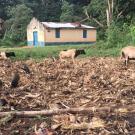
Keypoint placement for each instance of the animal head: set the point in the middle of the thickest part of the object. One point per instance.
(80, 51)
(9, 54)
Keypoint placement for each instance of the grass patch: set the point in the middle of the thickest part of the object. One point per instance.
(47, 51)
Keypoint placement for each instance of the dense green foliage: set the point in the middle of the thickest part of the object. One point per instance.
(114, 19)
(18, 20)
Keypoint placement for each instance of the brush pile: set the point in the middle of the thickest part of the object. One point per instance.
(90, 83)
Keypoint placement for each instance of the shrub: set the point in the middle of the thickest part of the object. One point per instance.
(6, 43)
(132, 32)
(118, 36)
(113, 36)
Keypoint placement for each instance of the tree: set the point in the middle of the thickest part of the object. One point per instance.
(67, 12)
(101, 14)
(109, 11)
(45, 10)
(104, 13)
(79, 2)
(20, 16)
(71, 12)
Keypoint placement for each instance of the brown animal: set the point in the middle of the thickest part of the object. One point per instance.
(15, 80)
(72, 53)
(128, 53)
(3, 55)
(6, 55)
(26, 68)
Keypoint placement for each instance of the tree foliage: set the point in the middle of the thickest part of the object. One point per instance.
(20, 15)
(45, 10)
(67, 12)
(108, 16)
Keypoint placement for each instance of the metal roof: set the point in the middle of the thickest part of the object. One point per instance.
(66, 25)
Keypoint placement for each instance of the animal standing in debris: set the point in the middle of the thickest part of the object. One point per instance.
(3, 102)
(128, 53)
(26, 69)
(15, 80)
(1, 83)
(6, 55)
(72, 53)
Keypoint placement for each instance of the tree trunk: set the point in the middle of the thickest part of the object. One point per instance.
(109, 11)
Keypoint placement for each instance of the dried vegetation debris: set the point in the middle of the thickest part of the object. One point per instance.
(92, 82)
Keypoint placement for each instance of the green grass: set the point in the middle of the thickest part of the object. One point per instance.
(47, 51)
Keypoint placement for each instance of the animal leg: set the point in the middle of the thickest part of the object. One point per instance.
(73, 59)
(126, 61)
(122, 55)
(62, 60)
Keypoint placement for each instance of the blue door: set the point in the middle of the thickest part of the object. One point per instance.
(35, 38)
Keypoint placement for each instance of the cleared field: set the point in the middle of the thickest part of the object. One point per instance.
(92, 83)
(48, 51)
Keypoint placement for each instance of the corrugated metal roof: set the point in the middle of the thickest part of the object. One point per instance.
(66, 25)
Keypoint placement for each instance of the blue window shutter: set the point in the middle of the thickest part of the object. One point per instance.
(84, 33)
(57, 33)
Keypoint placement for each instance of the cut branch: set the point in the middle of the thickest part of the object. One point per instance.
(125, 109)
(90, 17)
(84, 19)
(122, 11)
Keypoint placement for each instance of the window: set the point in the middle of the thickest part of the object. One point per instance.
(57, 33)
(84, 33)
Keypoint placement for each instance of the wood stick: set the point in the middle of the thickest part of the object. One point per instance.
(117, 109)
(77, 126)
(47, 112)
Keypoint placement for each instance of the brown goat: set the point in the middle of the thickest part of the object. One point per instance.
(72, 53)
(128, 53)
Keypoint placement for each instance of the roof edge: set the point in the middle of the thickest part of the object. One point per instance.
(74, 25)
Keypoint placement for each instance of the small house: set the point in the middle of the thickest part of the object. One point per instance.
(51, 33)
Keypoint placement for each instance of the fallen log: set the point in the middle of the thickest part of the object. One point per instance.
(47, 112)
(116, 109)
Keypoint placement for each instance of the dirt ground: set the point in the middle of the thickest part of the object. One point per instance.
(92, 82)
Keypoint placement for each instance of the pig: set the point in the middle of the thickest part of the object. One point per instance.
(128, 53)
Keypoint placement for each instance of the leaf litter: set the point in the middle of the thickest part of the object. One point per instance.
(91, 82)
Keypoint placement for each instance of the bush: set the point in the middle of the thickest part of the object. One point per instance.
(132, 32)
(101, 44)
(113, 36)
(10, 43)
(6, 43)
(20, 44)
(118, 36)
